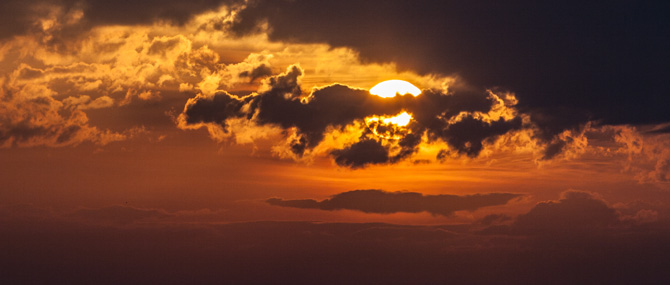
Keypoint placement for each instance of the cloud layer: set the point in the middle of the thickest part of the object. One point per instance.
(41, 247)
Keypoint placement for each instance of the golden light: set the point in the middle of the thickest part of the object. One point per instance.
(389, 127)
(399, 120)
(390, 88)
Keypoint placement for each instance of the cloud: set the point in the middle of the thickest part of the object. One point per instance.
(378, 201)
(257, 72)
(69, 16)
(647, 154)
(47, 95)
(361, 153)
(563, 61)
(84, 102)
(461, 118)
(575, 212)
(31, 117)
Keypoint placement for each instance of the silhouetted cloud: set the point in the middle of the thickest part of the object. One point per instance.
(468, 134)
(458, 117)
(258, 72)
(361, 153)
(378, 201)
(575, 211)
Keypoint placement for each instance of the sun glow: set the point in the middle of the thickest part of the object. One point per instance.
(389, 127)
(390, 88)
(399, 120)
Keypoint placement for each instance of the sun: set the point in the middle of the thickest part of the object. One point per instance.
(390, 88)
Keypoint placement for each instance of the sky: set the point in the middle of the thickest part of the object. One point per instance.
(239, 141)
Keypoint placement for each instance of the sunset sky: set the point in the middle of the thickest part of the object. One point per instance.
(239, 141)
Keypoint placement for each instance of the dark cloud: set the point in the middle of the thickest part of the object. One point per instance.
(567, 61)
(257, 72)
(19, 17)
(576, 211)
(359, 154)
(553, 149)
(216, 109)
(468, 134)
(378, 201)
(145, 12)
(371, 151)
(435, 113)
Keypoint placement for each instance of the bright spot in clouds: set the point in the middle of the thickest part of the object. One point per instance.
(389, 127)
(390, 88)
(399, 120)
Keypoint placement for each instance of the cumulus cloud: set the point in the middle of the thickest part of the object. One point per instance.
(648, 154)
(463, 119)
(46, 93)
(257, 72)
(32, 117)
(378, 201)
(359, 154)
(125, 64)
(579, 214)
(575, 212)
